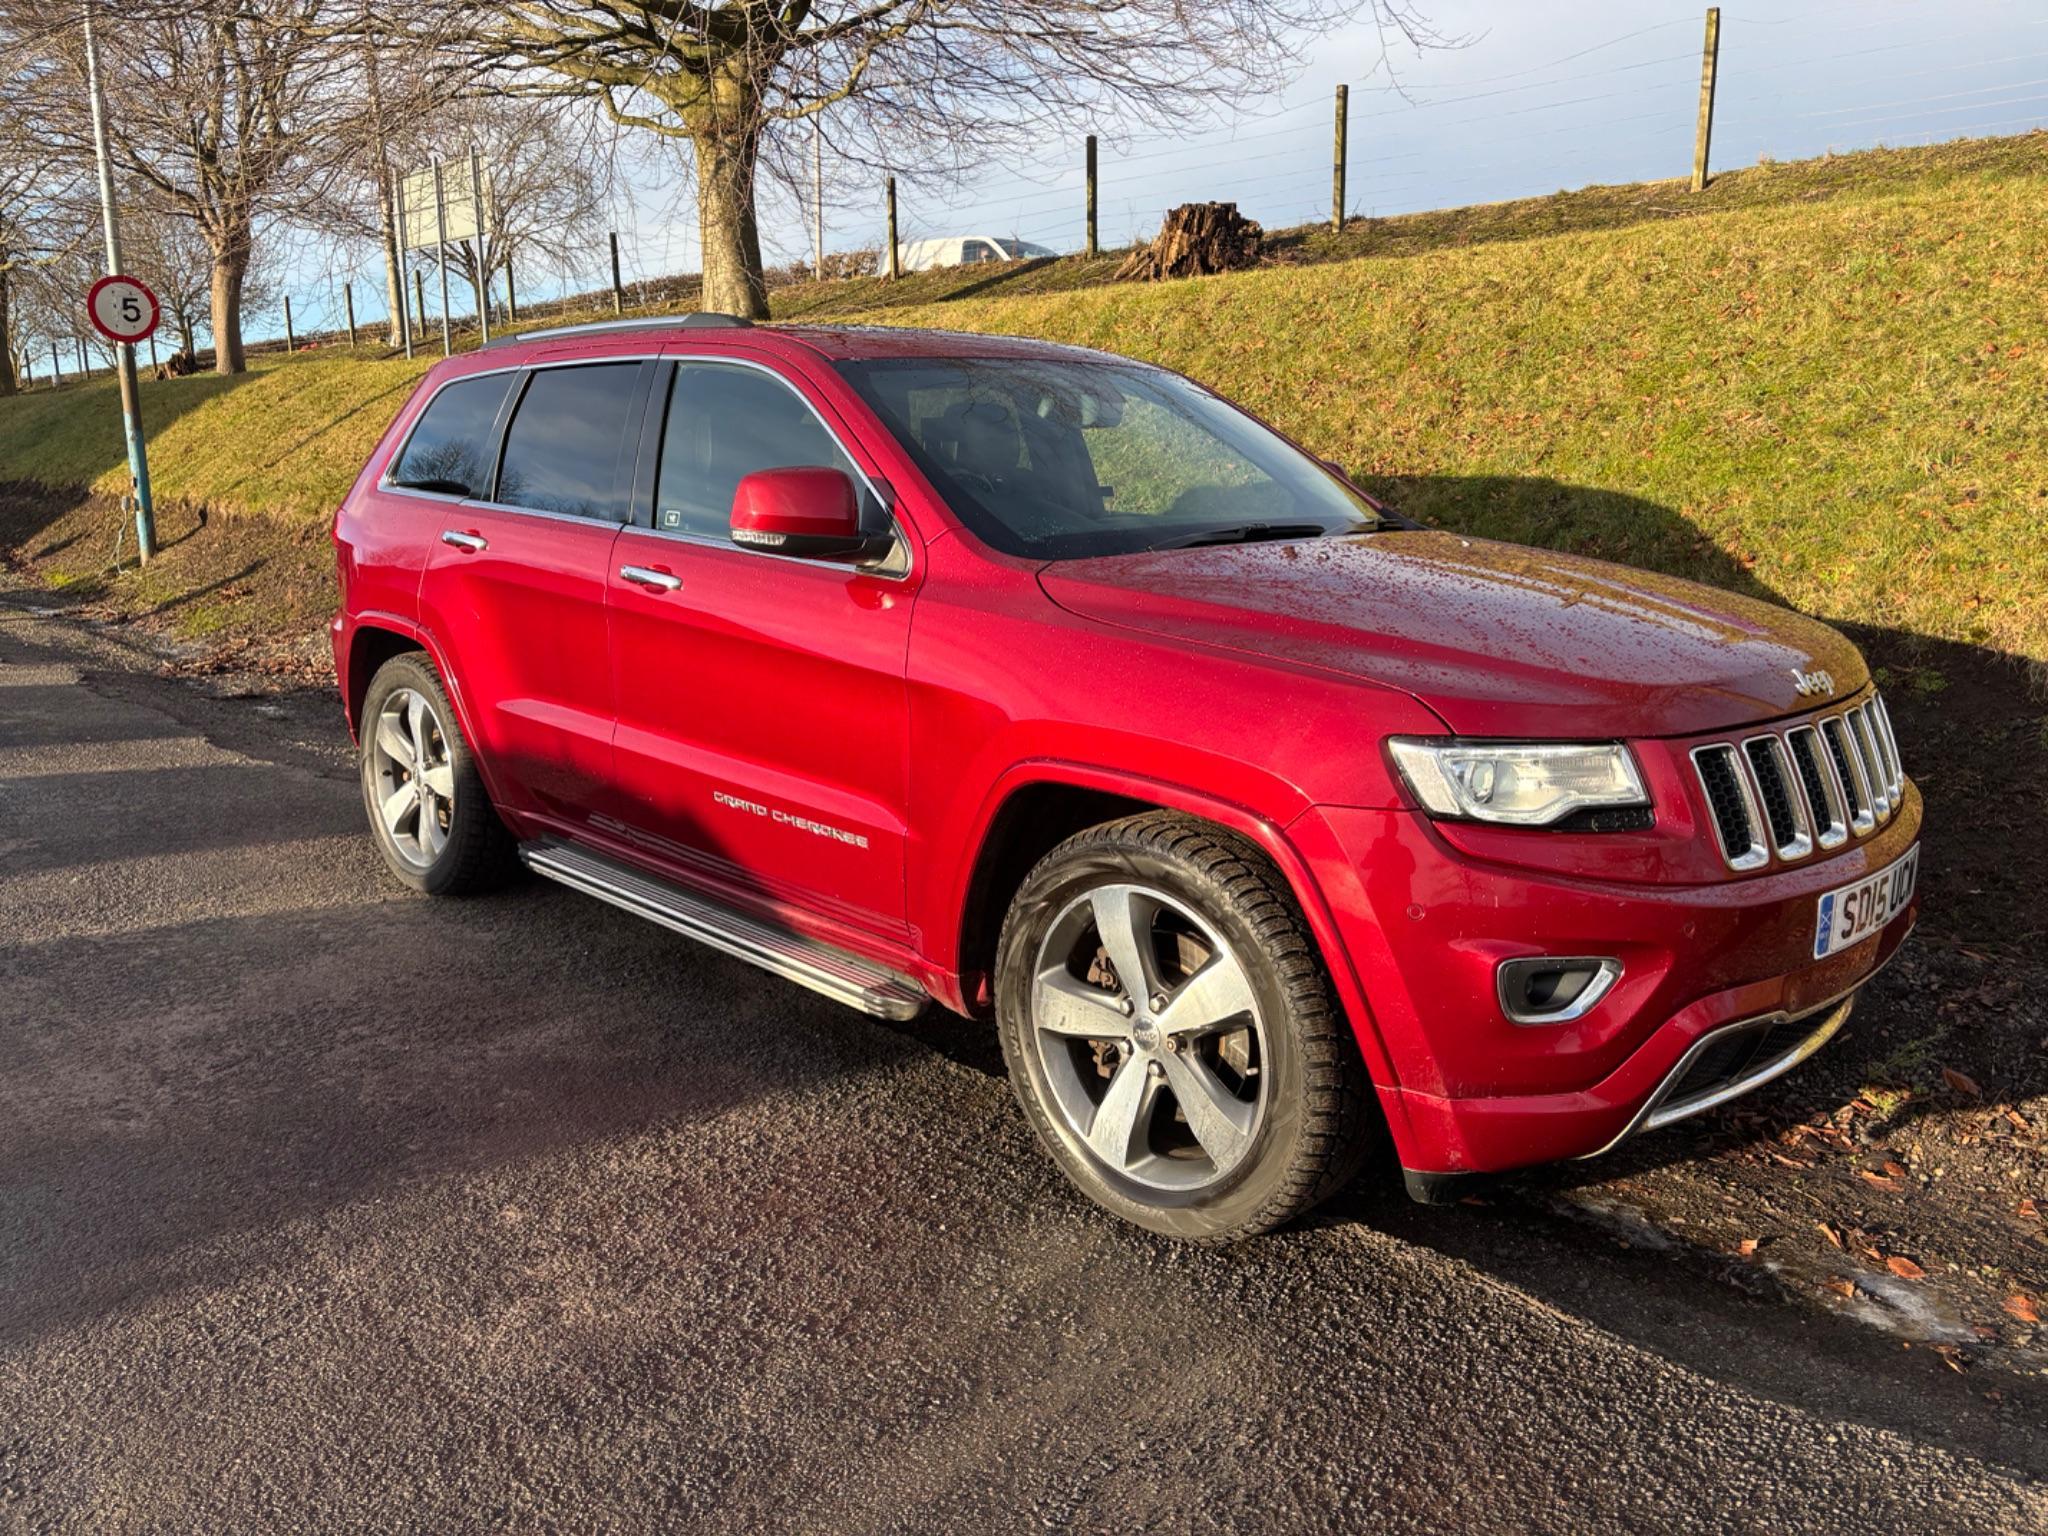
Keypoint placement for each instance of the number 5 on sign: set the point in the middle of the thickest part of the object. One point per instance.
(123, 309)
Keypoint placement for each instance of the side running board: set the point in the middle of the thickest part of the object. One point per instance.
(844, 977)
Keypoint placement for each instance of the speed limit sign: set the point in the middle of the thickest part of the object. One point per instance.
(123, 309)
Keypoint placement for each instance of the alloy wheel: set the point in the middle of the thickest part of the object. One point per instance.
(412, 777)
(1150, 1038)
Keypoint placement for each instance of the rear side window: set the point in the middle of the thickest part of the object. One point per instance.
(724, 423)
(450, 449)
(562, 449)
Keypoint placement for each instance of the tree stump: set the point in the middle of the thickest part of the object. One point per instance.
(179, 366)
(1196, 239)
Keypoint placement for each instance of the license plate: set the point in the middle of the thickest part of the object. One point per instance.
(1853, 913)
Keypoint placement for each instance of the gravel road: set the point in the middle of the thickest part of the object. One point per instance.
(325, 1207)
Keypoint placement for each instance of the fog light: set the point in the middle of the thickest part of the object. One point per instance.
(1555, 989)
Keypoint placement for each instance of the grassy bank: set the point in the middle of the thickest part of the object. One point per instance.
(1822, 382)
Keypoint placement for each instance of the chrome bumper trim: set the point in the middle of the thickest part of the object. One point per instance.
(1656, 1113)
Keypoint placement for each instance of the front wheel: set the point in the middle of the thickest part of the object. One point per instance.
(1170, 1033)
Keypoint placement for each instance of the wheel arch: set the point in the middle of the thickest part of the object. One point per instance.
(1034, 808)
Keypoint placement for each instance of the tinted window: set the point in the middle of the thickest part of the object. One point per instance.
(562, 450)
(1059, 459)
(723, 423)
(450, 449)
(976, 250)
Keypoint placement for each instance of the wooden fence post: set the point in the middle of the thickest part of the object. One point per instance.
(618, 292)
(289, 344)
(348, 310)
(419, 299)
(511, 294)
(895, 257)
(1710, 56)
(1093, 249)
(1337, 160)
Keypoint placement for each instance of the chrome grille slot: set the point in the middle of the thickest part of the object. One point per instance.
(1895, 771)
(1874, 773)
(1848, 774)
(1781, 794)
(1783, 807)
(1816, 777)
(1733, 803)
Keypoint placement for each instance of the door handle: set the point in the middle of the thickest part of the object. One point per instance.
(468, 543)
(653, 580)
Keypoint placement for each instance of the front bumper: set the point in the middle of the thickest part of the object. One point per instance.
(1706, 967)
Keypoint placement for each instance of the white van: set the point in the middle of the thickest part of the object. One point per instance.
(966, 250)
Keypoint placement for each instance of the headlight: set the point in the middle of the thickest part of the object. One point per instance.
(1523, 785)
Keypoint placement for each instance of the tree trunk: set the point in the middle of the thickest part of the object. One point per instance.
(727, 230)
(9, 382)
(394, 278)
(230, 266)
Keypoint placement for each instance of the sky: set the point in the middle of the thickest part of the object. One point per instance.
(1545, 94)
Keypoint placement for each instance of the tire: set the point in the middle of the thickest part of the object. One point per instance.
(447, 841)
(1238, 1001)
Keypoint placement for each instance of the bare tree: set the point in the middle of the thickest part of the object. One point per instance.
(42, 220)
(908, 83)
(226, 110)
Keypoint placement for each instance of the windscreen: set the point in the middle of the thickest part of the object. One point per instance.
(1057, 460)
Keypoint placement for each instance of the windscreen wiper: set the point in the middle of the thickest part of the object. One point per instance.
(1242, 533)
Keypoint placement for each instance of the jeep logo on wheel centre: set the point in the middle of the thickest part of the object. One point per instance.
(1807, 684)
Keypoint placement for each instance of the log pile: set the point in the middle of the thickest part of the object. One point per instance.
(180, 364)
(1196, 239)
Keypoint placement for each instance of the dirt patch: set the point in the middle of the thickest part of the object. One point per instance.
(243, 593)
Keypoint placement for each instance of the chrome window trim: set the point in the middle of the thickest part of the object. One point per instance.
(1608, 972)
(1836, 832)
(1862, 822)
(1758, 853)
(1802, 840)
(384, 476)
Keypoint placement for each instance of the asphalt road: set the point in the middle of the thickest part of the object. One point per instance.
(324, 1207)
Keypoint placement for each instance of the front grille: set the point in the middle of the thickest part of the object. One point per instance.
(1781, 794)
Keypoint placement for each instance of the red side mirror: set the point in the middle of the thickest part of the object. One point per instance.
(811, 512)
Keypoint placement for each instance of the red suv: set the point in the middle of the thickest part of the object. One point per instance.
(1052, 686)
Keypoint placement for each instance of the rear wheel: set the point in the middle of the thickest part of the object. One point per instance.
(428, 808)
(1170, 1033)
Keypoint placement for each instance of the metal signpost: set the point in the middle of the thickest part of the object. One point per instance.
(437, 210)
(123, 309)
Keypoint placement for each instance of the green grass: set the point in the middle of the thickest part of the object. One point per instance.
(1821, 381)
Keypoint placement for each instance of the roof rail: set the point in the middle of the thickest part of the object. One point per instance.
(697, 320)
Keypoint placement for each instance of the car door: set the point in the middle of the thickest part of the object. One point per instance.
(761, 743)
(516, 584)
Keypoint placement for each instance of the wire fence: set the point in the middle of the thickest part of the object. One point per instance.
(1597, 112)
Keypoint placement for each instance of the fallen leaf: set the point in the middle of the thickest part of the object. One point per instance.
(2030, 1210)
(1877, 1178)
(1961, 1083)
(1896, 1170)
(2018, 1119)
(1746, 1247)
(1829, 1233)
(1843, 1288)
(1905, 1268)
(1950, 1357)
(2022, 1307)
